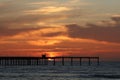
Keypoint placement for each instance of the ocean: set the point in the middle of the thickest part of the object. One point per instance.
(105, 71)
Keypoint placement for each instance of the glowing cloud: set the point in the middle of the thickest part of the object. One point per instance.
(43, 42)
(48, 10)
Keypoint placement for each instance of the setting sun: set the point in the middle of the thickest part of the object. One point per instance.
(50, 59)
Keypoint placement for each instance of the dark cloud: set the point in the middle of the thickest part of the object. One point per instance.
(10, 32)
(116, 18)
(98, 32)
(53, 34)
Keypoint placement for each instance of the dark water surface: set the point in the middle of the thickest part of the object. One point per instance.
(106, 71)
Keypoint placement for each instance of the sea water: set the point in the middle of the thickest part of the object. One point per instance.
(105, 71)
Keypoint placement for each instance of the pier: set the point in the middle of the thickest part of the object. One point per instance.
(89, 59)
(37, 61)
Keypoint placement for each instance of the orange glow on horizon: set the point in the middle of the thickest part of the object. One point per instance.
(52, 54)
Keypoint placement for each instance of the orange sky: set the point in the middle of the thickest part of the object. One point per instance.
(60, 28)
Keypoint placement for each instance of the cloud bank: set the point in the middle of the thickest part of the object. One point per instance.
(107, 31)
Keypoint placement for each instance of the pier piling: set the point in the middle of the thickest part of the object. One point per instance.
(54, 62)
(71, 61)
(89, 61)
(63, 61)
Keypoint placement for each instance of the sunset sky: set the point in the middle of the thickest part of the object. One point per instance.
(60, 28)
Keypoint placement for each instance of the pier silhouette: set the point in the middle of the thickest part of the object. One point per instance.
(43, 60)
